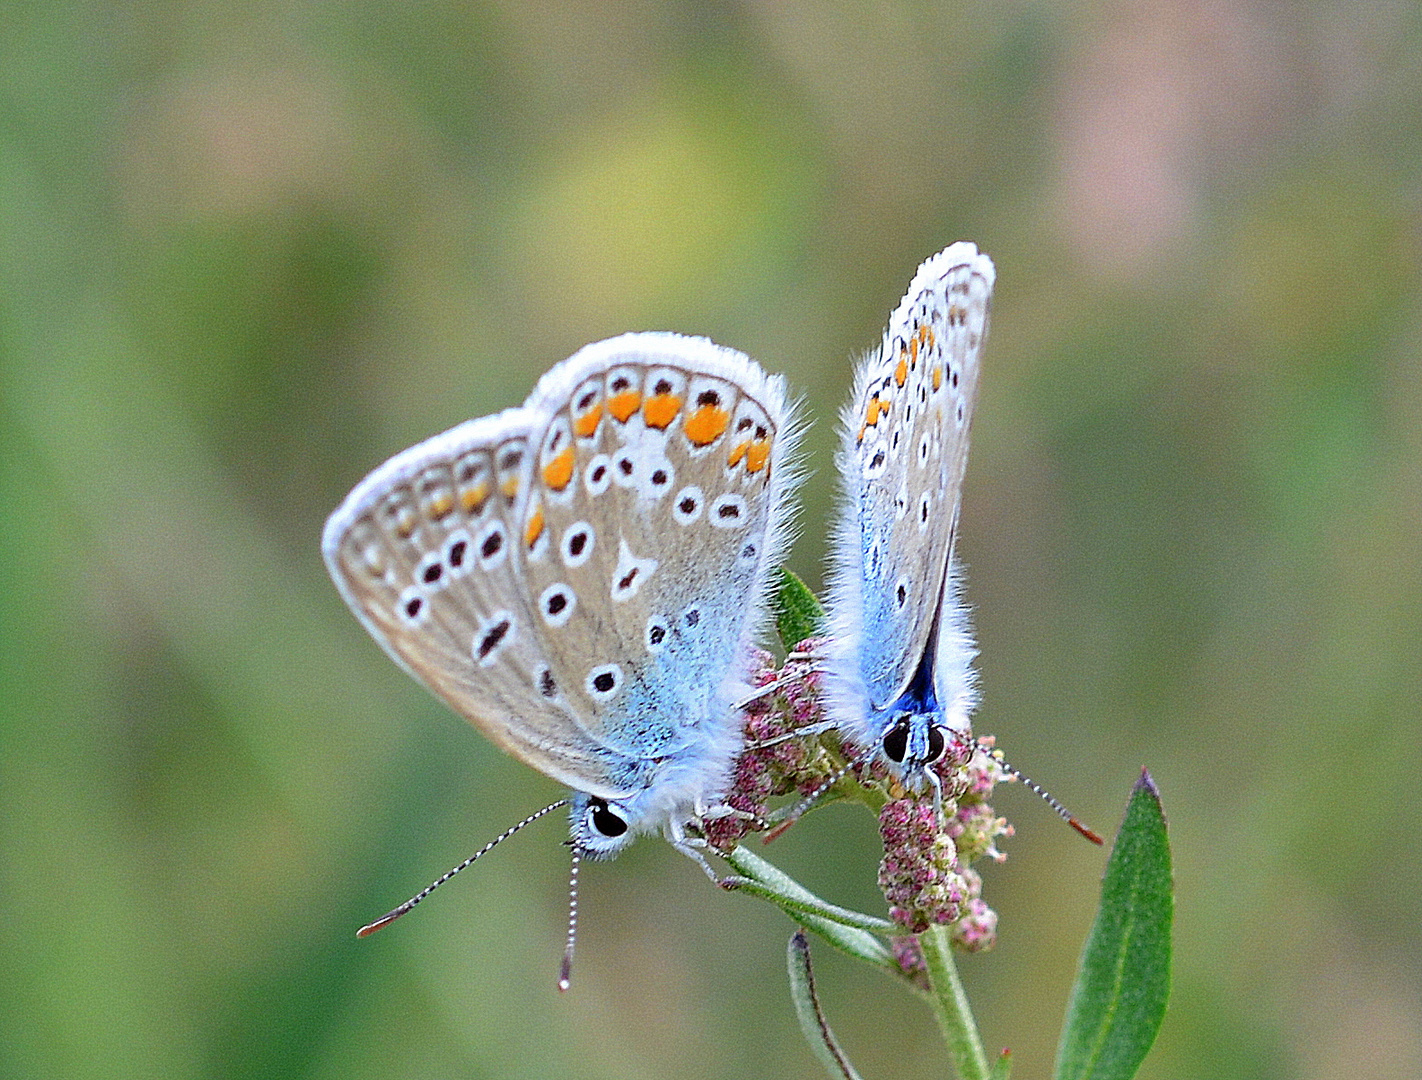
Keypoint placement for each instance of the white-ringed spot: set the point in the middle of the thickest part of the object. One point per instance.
(578, 542)
(493, 635)
(687, 504)
(604, 682)
(557, 603)
(413, 607)
(431, 571)
(597, 477)
(457, 554)
(630, 573)
(728, 511)
(901, 592)
(491, 545)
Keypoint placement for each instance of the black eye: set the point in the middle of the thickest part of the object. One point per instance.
(605, 820)
(896, 742)
(937, 743)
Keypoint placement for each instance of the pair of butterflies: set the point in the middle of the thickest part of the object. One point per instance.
(582, 577)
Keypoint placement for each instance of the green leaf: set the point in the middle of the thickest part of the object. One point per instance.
(812, 1018)
(798, 612)
(814, 914)
(1119, 999)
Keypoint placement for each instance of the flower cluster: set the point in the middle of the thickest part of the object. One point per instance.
(929, 844)
(925, 874)
(777, 761)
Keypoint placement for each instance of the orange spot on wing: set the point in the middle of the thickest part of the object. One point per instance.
(707, 424)
(559, 471)
(475, 497)
(661, 410)
(534, 529)
(441, 505)
(758, 456)
(937, 376)
(623, 405)
(585, 425)
(509, 487)
(901, 372)
(737, 453)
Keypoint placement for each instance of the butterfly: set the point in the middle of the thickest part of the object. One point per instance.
(900, 678)
(581, 577)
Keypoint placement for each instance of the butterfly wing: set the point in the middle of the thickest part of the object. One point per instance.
(513, 566)
(903, 454)
(656, 515)
(423, 551)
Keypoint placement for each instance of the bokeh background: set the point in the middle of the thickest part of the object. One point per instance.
(247, 251)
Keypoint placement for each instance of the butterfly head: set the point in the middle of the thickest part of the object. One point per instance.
(912, 743)
(600, 827)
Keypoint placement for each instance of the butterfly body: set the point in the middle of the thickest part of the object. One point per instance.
(581, 577)
(901, 682)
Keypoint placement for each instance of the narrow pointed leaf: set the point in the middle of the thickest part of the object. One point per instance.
(809, 911)
(807, 1008)
(1119, 999)
(798, 613)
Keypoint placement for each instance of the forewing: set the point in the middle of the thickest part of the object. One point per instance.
(654, 516)
(902, 459)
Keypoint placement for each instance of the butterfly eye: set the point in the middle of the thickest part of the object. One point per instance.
(604, 820)
(937, 743)
(896, 742)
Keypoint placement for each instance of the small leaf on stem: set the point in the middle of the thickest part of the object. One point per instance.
(807, 1007)
(798, 613)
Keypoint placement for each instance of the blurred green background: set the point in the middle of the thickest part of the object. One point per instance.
(250, 250)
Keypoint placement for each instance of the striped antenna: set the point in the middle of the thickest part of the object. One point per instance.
(798, 810)
(565, 971)
(1062, 812)
(390, 916)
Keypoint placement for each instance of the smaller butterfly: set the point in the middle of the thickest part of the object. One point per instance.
(581, 577)
(900, 676)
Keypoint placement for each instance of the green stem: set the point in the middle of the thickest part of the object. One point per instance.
(950, 1005)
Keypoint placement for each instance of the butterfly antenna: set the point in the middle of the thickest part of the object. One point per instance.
(565, 972)
(390, 916)
(1062, 812)
(774, 684)
(808, 801)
